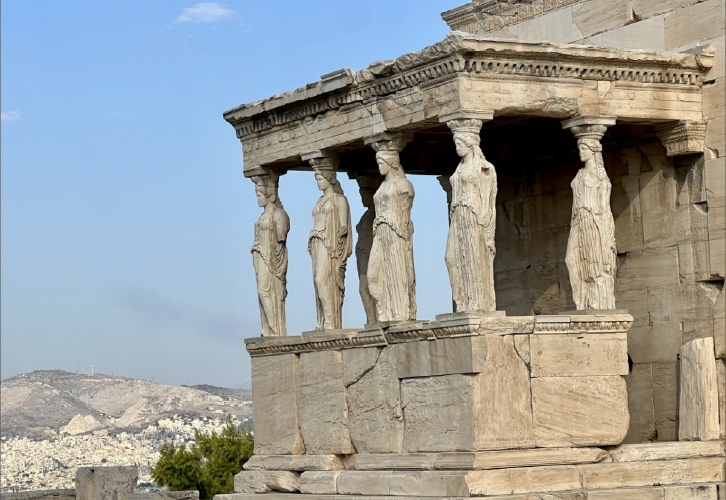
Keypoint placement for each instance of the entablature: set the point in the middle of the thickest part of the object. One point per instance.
(467, 71)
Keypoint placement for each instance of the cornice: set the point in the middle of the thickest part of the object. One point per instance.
(464, 54)
(432, 330)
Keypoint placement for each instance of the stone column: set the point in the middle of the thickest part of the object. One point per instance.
(367, 186)
(391, 275)
(591, 252)
(269, 255)
(330, 242)
(470, 248)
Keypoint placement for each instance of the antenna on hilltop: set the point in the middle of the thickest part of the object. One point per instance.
(91, 369)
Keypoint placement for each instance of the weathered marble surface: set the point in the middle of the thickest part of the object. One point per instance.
(269, 256)
(591, 251)
(391, 275)
(443, 357)
(322, 405)
(579, 411)
(266, 481)
(330, 244)
(274, 398)
(294, 462)
(440, 413)
(699, 414)
(579, 355)
(504, 411)
(367, 185)
(375, 417)
(105, 483)
(470, 247)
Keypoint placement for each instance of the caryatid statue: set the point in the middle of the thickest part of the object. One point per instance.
(391, 275)
(330, 244)
(470, 247)
(269, 256)
(367, 186)
(591, 252)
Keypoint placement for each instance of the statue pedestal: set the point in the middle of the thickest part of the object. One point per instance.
(455, 407)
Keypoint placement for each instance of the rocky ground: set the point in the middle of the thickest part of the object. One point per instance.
(53, 422)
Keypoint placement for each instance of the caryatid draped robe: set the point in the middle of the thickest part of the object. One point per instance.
(470, 246)
(330, 244)
(591, 256)
(391, 275)
(269, 256)
(363, 246)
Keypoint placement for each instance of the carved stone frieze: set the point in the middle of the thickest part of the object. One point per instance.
(425, 331)
(682, 137)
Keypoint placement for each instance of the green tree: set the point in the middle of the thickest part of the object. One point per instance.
(209, 465)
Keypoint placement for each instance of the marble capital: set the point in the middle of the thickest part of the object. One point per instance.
(682, 137)
(389, 141)
(588, 121)
(484, 115)
(321, 159)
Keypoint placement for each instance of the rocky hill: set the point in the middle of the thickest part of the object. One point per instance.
(42, 404)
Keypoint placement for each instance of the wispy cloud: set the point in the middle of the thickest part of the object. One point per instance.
(205, 12)
(10, 116)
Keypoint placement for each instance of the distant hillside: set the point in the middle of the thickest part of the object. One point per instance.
(224, 392)
(42, 403)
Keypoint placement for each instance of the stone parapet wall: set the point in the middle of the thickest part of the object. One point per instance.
(460, 385)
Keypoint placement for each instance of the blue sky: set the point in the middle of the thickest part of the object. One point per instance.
(126, 221)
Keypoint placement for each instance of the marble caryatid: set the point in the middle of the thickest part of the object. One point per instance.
(591, 252)
(470, 247)
(269, 256)
(391, 275)
(330, 244)
(367, 185)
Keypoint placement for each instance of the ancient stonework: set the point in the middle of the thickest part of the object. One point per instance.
(367, 186)
(330, 244)
(591, 251)
(391, 275)
(269, 256)
(699, 393)
(607, 274)
(470, 248)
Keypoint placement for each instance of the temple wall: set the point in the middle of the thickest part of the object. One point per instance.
(660, 213)
(669, 212)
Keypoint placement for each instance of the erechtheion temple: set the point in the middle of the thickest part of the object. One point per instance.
(580, 149)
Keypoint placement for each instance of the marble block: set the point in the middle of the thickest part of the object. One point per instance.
(579, 411)
(321, 403)
(461, 412)
(274, 400)
(573, 355)
(699, 394)
(375, 417)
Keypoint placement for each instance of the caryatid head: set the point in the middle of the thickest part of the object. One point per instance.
(266, 186)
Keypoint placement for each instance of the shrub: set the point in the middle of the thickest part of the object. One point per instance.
(209, 465)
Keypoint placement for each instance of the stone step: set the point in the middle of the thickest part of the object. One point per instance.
(492, 482)
(703, 491)
(475, 460)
